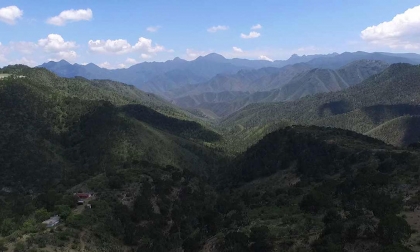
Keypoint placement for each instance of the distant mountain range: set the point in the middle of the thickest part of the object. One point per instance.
(225, 94)
(161, 77)
(216, 87)
(385, 106)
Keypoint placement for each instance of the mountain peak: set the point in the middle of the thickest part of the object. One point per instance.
(294, 56)
(213, 57)
(63, 62)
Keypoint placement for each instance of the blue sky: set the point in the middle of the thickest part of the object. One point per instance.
(121, 33)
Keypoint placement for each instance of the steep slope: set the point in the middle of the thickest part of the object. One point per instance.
(322, 189)
(290, 83)
(61, 130)
(298, 189)
(400, 131)
(380, 98)
(327, 80)
(244, 81)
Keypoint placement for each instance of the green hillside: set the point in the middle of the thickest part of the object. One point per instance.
(400, 131)
(62, 130)
(162, 183)
(383, 97)
(334, 189)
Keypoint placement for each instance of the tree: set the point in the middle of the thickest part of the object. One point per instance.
(393, 230)
(315, 202)
(63, 211)
(7, 227)
(41, 215)
(235, 242)
(3, 247)
(260, 239)
(20, 247)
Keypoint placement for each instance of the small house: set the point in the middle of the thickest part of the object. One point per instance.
(51, 222)
(83, 195)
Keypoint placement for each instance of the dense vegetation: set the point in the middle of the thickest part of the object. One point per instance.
(163, 183)
(377, 100)
(225, 94)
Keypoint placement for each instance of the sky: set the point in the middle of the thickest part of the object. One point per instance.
(118, 34)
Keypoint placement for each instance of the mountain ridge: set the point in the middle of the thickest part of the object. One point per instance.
(287, 84)
(209, 66)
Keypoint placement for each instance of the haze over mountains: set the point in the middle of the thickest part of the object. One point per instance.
(217, 86)
(254, 180)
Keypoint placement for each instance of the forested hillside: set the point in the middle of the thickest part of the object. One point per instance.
(380, 98)
(62, 130)
(164, 182)
(285, 84)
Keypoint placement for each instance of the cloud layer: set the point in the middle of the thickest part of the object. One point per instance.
(218, 28)
(122, 46)
(237, 49)
(57, 47)
(403, 31)
(263, 57)
(153, 28)
(71, 16)
(10, 14)
(256, 27)
(251, 35)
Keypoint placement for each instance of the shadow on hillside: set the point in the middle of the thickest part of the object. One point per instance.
(334, 108)
(412, 132)
(183, 128)
(381, 113)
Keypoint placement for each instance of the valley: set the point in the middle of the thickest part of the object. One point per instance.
(290, 158)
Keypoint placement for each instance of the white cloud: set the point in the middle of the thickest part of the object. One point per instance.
(251, 35)
(237, 49)
(121, 65)
(403, 31)
(118, 46)
(145, 44)
(58, 48)
(263, 57)
(24, 61)
(106, 65)
(67, 55)
(170, 50)
(71, 16)
(121, 46)
(2, 53)
(256, 27)
(23, 47)
(218, 28)
(145, 56)
(10, 14)
(55, 43)
(3, 49)
(153, 28)
(131, 61)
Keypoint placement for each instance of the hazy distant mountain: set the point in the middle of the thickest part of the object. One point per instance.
(145, 75)
(288, 84)
(340, 60)
(369, 107)
(244, 81)
(161, 77)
